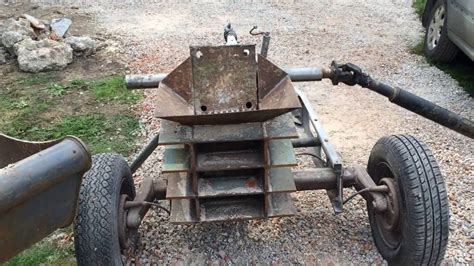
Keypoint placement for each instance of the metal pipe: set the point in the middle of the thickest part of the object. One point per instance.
(144, 81)
(305, 73)
(39, 194)
(424, 108)
(145, 153)
(297, 74)
(305, 142)
(321, 178)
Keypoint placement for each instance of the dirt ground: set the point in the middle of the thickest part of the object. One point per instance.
(155, 36)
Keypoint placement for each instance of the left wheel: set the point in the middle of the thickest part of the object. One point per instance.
(101, 236)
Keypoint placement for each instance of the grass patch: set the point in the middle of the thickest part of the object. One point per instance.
(36, 79)
(418, 48)
(461, 69)
(113, 88)
(35, 113)
(419, 6)
(41, 108)
(56, 89)
(45, 252)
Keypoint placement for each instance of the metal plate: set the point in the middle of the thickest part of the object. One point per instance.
(183, 211)
(230, 185)
(176, 159)
(232, 208)
(281, 180)
(280, 204)
(234, 160)
(281, 153)
(224, 79)
(179, 185)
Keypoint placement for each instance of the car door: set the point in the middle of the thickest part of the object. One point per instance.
(461, 25)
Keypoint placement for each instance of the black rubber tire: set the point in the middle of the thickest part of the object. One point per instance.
(445, 51)
(424, 212)
(96, 225)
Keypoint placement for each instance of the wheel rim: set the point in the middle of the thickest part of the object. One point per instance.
(122, 222)
(388, 222)
(435, 28)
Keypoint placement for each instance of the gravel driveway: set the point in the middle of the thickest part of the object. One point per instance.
(373, 34)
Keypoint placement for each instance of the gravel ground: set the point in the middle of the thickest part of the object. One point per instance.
(155, 37)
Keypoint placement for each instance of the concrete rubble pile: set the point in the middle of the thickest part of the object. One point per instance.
(41, 45)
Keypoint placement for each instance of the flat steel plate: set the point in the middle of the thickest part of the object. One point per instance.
(224, 79)
(183, 211)
(280, 204)
(232, 208)
(230, 186)
(179, 185)
(281, 180)
(176, 159)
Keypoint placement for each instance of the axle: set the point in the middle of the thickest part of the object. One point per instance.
(351, 75)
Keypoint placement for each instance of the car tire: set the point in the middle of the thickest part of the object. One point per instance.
(437, 46)
(100, 216)
(414, 230)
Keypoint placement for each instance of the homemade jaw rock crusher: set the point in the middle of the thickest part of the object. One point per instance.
(228, 152)
(230, 122)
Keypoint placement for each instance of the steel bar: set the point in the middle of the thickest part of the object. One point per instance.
(144, 81)
(145, 153)
(334, 161)
(297, 74)
(321, 178)
(149, 191)
(424, 108)
(305, 142)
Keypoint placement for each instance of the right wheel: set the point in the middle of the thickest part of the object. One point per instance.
(438, 46)
(414, 229)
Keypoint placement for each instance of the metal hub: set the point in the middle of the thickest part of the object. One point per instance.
(435, 27)
(392, 214)
(389, 221)
(122, 222)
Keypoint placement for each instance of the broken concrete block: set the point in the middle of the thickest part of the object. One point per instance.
(44, 55)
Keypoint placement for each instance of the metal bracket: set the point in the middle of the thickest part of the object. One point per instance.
(333, 159)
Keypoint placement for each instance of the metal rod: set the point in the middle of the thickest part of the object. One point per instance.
(305, 142)
(424, 108)
(297, 74)
(321, 178)
(265, 44)
(145, 153)
(144, 81)
(305, 73)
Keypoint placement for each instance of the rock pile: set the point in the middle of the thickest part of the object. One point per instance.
(41, 45)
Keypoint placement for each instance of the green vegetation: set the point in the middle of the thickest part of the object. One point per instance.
(35, 79)
(45, 114)
(40, 107)
(45, 252)
(113, 88)
(419, 6)
(56, 89)
(460, 69)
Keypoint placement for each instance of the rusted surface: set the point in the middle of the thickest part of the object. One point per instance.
(269, 75)
(39, 193)
(14, 150)
(232, 208)
(181, 80)
(224, 88)
(224, 79)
